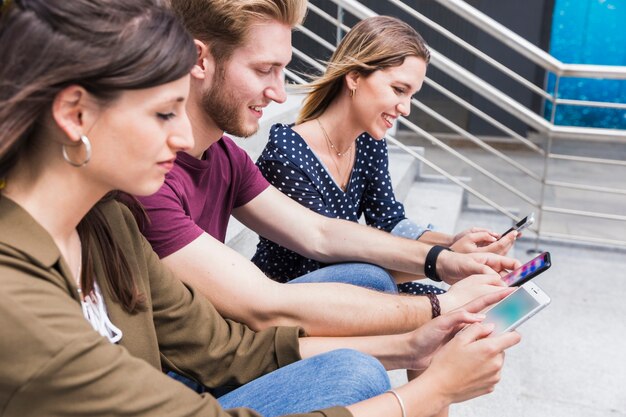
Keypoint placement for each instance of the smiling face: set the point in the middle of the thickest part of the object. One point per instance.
(250, 80)
(135, 139)
(384, 95)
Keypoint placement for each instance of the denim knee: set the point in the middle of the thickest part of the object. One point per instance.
(354, 273)
(377, 278)
(359, 376)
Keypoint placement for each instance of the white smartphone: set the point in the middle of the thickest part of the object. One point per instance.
(521, 225)
(516, 308)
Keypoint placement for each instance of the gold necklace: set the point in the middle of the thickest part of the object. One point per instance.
(330, 142)
(343, 181)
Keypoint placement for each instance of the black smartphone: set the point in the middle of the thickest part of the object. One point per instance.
(521, 225)
(529, 270)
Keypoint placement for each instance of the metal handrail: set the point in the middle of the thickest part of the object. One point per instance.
(476, 111)
(321, 13)
(529, 50)
(317, 37)
(446, 122)
(588, 103)
(468, 161)
(601, 161)
(470, 48)
(443, 172)
(584, 187)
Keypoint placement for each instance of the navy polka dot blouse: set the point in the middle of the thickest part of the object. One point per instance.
(290, 165)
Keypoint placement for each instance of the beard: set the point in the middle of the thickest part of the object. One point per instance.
(224, 108)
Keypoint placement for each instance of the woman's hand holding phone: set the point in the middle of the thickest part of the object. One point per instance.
(427, 339)
(484, 241)
(469, 289)
(521, 225)
(469, 365)
(528, 271)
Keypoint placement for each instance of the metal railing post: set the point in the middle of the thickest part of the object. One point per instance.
(546, 160)
(340, 14)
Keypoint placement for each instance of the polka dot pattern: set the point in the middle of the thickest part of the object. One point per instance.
(290, 165)
(416, 288)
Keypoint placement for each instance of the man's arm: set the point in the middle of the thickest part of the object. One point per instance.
(239, 290)
(411, 350)
(278, 218)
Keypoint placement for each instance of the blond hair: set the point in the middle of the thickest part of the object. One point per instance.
(224, 24)
(373, 44)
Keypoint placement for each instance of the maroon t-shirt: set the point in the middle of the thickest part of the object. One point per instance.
(199, 196)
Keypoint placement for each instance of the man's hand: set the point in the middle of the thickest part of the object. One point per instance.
(453, 267)
(469, 289)
(483, 240)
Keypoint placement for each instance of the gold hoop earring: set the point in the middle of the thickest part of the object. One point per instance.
(352, 92)
(84, 140)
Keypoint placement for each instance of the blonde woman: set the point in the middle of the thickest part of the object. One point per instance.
(334, 159)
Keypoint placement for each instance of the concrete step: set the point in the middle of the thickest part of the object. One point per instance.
(437, 203)
(403, 168)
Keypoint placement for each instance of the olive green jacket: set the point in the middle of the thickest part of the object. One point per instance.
(53, 363)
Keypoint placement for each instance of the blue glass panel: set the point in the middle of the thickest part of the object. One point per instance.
(589, 32)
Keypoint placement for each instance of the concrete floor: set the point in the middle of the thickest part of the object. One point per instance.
(571, 361)
(572, 358)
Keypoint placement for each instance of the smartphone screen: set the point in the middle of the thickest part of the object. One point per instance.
(511, 310)
(528, 270)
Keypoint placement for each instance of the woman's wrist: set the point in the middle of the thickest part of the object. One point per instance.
(436, 238)
(423, 397)
(430, 263)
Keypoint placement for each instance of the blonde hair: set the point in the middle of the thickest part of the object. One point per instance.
(224, 24)
(373, 44)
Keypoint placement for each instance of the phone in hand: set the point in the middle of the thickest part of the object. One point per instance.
(516, 308)
(521, 225)
(528, 271)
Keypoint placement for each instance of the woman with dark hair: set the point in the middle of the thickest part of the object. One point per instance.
(92, 99)
(334, 159)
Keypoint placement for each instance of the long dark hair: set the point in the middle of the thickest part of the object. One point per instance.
(106, 47)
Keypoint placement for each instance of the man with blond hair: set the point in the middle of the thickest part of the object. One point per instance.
(243, 47)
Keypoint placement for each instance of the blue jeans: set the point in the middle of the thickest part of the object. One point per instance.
(367, 276)
(359, 274)
(341, 377)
